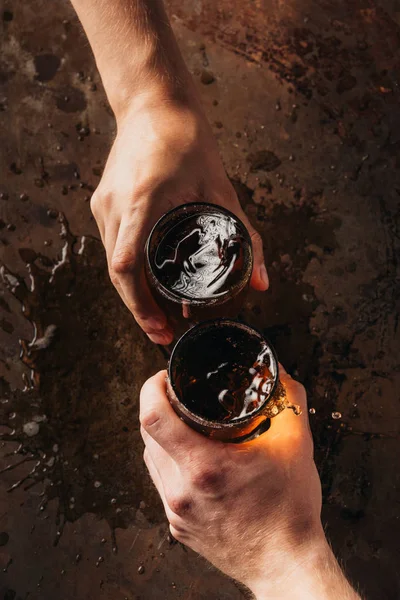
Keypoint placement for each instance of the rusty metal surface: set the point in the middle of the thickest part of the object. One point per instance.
(304, 101)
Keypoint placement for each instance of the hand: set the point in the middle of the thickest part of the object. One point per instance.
(252, 509)
(164, 155)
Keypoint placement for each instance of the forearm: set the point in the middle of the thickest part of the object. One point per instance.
(135, 50)
(317, 577)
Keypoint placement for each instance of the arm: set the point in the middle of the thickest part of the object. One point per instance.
(135, 50)
(320, 578)
(164, 153)
(252, 509)
(317, 577)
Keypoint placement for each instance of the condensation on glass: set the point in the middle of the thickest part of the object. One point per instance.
(199, 261)
(223, 380)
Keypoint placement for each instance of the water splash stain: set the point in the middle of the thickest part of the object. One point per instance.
(76, 418)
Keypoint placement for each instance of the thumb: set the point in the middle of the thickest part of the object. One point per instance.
(259, 277)
(295, 417)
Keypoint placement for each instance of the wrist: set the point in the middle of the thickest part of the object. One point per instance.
(156, 71)
(157, 98)
(309, 573)
(125, 91)
(174, 127)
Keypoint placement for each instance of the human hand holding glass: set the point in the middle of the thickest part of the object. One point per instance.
(252, 509)
(164, 153)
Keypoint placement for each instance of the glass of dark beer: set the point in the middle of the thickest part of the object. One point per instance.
(198, 263)
(223, 380)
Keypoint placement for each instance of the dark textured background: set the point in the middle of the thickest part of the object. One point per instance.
(303, 98)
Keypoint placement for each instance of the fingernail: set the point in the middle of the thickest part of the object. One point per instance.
(155, 323)
(264, 276)
(160, 338)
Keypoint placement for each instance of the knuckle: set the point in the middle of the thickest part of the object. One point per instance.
(99, 201)
(94, 204)
(180, 504)
(123, 262)
(177, 534)
(304, 523)
(140, 317)
(114, 278)
(208, 479)
(150, 419)
(256, 238)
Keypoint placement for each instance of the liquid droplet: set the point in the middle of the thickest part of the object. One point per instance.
(336, 415)
(312, 411)
(31, 428)
(295, 408)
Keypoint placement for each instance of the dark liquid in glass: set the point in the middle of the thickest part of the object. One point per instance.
(201, 257)
(199, 262)
(223, 372)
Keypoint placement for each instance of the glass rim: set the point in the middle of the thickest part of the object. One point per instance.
(207, 324)
(169, 294)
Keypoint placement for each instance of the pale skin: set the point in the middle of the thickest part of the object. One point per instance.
(252, 509)
(164, 153)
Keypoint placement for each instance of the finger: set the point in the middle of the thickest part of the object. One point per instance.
(283, 370)
(109, 238)
(166, 466)
(176, 500)
(127, 265)
(181, 504)
(161, 422)
(155, 475)
(259, 278)
(97, 215)
(288, 421)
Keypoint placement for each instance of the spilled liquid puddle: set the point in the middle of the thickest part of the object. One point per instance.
(76, 419)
